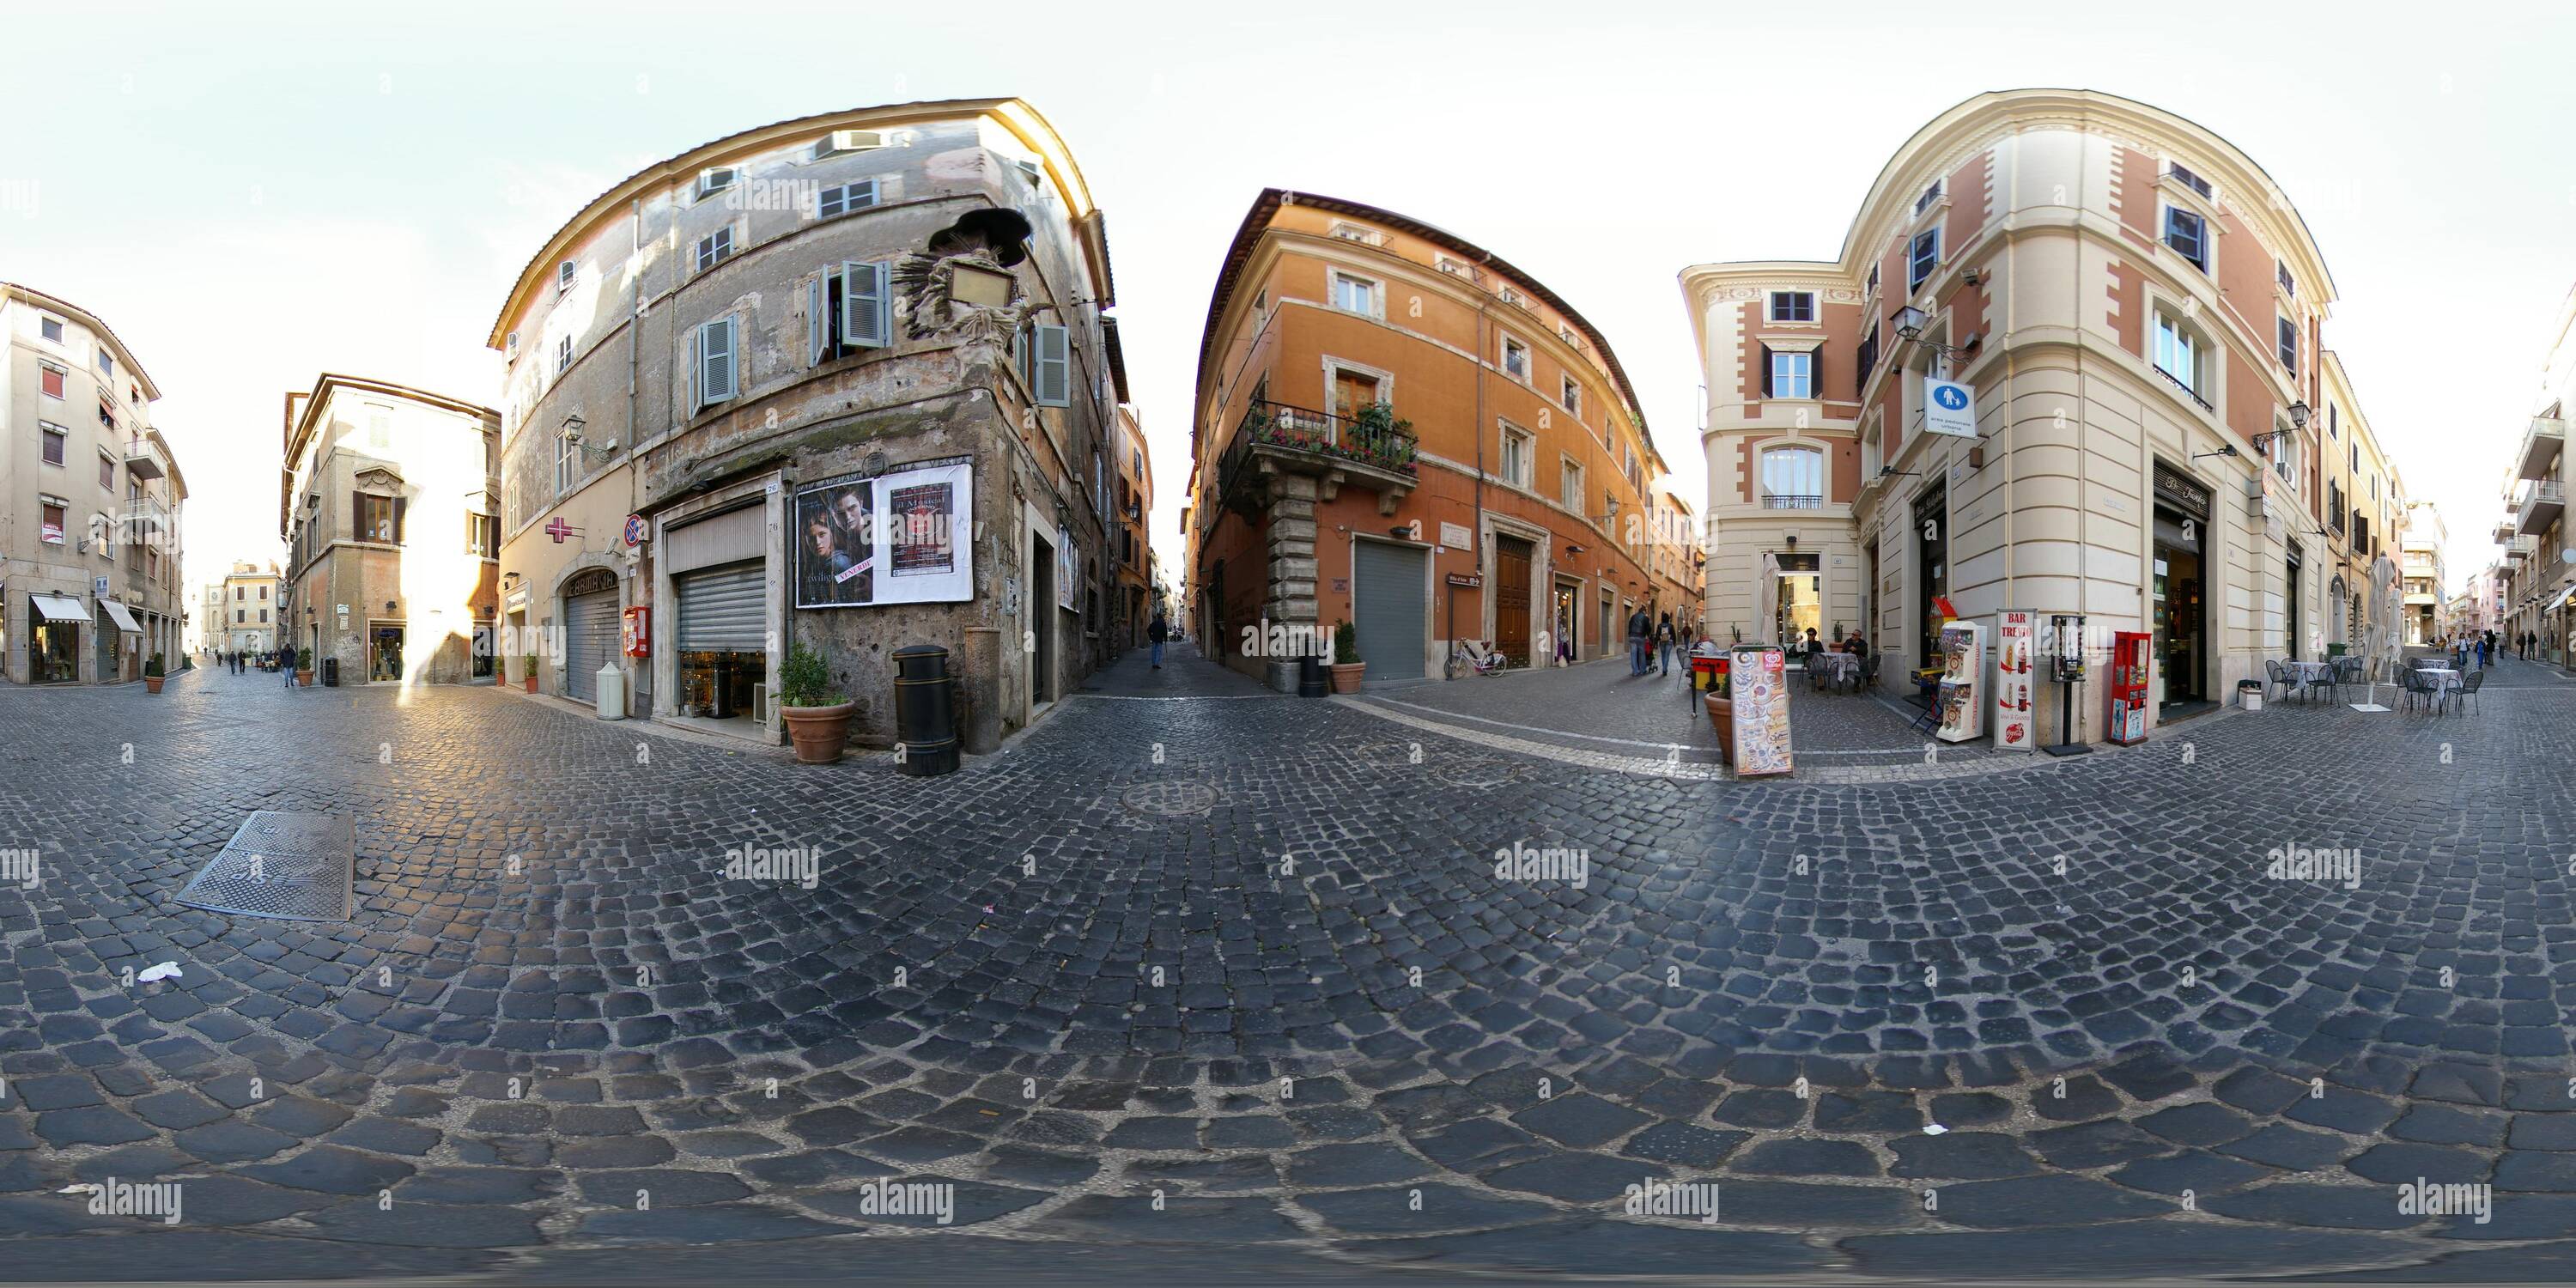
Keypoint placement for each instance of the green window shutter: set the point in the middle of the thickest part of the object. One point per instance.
(817, 326)
(867, 306)
(715, 351)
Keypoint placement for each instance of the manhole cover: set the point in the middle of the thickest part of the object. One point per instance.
(1170, 797)
(295, 867)
(1479, 772)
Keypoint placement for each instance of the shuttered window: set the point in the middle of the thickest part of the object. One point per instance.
(714, 363)
(867, 305)
(1046, 360)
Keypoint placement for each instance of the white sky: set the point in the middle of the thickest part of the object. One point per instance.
(251, 195)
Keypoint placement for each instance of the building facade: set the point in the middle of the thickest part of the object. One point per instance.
(1133, 507)
(385, 503)
(2539, 547)
(91, 501)
(2131, 313)
(244, 609)
(2362, 510)
(1398, 429)
(2427, 575)
(845, 381)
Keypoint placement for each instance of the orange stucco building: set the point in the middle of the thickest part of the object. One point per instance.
(1398, 429)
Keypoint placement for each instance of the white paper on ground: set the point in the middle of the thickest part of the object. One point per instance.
(166, 970)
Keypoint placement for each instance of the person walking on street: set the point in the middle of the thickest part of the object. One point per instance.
(286, 663)
(1639, 627)
(1664, 637)
(1158, 631)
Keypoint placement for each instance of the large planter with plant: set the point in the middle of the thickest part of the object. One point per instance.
(304, 668)
(152, 674)
(818, 719)
(1347, 666)
(528, 672)
(1721, 715)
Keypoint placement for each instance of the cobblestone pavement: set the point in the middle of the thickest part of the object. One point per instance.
(1238, 984)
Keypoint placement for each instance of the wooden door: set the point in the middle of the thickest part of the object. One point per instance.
(1512, 599)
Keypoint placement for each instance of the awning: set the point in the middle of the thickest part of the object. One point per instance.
(59, 608)
(2561, 601)
(124, 620)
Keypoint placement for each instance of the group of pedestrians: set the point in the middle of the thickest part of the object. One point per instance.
(2480, 649)
(1651, 638)
(239, 661)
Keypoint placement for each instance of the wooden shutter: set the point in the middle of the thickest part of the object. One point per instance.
(398, 520)
(1766, 371)
(867, 306)
(715, 361)
(358, 517)
(817, 323)
(1054, 362)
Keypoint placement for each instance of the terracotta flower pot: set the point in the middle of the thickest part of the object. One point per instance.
(303, 679)
(818, 732)
(152, 683)
(530, 681)
(1346, 676)
(1721, 715)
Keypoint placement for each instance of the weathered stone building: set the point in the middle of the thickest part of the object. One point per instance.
(843, 380)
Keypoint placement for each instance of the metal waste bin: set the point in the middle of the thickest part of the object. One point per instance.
(925, 711)
(331, 672)
(1310, 677)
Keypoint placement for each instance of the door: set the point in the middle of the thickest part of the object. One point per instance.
(1609, 624)
(590, 632)
(1512, 599)
(1389, 613)
(384, 652)
(1561, 635)
(1042, 611)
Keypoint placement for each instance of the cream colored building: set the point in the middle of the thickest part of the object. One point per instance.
(2135, 310)
(2362, 511)
(91, 501)
(2539, 544)
(245, 609)
(1132, 551)
(387, 505)
(2428, 612)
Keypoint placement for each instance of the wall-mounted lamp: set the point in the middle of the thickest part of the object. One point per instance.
(2229, 450)
(1573, 549)
(2299, 415)
(1890, 471)
(1793, 541)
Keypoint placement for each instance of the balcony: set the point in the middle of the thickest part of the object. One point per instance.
(1372, 449)
(2538, 505)
(2541, 443)
(2423, 599)
(2521, 548)
(2504, 530)
(142, 458)
(1772, 501)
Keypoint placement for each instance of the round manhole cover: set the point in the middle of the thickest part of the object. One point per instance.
(1170, 797)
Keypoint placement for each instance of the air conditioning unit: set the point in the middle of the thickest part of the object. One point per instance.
(840, 141)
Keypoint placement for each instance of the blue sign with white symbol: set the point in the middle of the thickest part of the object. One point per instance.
(1949, 408)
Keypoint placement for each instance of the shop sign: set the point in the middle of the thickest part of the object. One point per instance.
(1758, 685)
(1467, 579)
(2015, 643)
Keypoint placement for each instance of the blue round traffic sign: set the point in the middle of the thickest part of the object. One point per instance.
(1951, 397)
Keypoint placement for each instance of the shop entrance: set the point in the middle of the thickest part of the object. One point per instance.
(53, 650)
(1801, 602)
(2176, 577)
(1041, 620)
(384, 652)
(2295, 642)
(722, 636)
(1568, 610)
(1932, 561)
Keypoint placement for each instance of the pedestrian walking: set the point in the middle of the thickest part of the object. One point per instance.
(1639, 627)
(286, 663)
(1157, 632)
(1664, 637)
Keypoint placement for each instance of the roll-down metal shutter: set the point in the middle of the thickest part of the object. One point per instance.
(724, 609)
(590, 634)
(1389, 613)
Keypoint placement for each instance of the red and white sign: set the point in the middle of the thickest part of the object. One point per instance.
(2016, 640)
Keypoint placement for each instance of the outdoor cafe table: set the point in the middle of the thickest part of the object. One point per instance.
(2308, 672)
(1837, 667)
(2444, 678)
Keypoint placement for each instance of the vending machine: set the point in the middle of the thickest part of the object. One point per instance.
(2128, 687)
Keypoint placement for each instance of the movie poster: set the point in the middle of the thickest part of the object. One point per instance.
(900, 538)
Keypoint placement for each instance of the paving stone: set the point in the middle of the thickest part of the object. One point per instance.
(2104, 1143)
(2200, 1123)
(1683, 1145)
(1795, 1156)
(331, 1170)
(715, 1223)
(2340, 1207)
(661, 1187)
(1414, 1209)
(2397, 1162)
(453, 1185)
(2281, 1145)
(234, 1141)
(1582, 1121)
(96, 1125)
(1573, 1178)
(2199, 1171)
(1185, 1220)
(1582, 1247)
(422, 1225)
(2043, 1200)
(1960, 1155)
(951, 1204)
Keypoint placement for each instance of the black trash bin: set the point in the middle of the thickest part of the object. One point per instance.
(1311, 682)
(925, 711)
(331, 672)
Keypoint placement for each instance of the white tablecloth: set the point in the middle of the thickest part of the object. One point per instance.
(2307, 672)
(1836, 666)
(2441, 675)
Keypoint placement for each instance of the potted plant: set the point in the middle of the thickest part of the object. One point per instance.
(1721, 714)
(152, 673)
(304, 668)
(818, 719)
(528, 671)
(1347, 666)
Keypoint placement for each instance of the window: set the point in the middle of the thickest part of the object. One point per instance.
(1355, 294)
(263, 616)
(714, 363)
(715, 179)
(1572, 340)
(565, 272)
(1516, 359)
(1572, 396)
(2187, 179)
(1791, 375)
(715, 248)
(240, 593)
(2289, 284)
(2188, 234)
(379, 518)
(103, 531)
(107, 364)
(1355, 233)
(482, 537)
(53, 382)
(567, 461)
(52, 531)
(1453, 267)
(2288, 332)
(107, 473)
(2286, 458)
(849, 309)
(2335, 430)
(1930, 195)
(1570, 485)
(1873, 279)
(240, 615)
(840, 141)
(847, 197)
(263, 594)
(563, 355)
(1516, 456)
(2178, 355)
(55, 437)
(1046, 364)
(1793, 306)
(1354, 392)
(1922, 257)
(53, 329)
(1793, 478)
(380, 428)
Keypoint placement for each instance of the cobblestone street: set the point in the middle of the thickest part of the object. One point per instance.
(1192, 967)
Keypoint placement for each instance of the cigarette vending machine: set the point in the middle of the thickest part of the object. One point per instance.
(2128, 687)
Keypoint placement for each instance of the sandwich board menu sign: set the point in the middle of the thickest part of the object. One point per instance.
(1759, 686)
(2016, 641)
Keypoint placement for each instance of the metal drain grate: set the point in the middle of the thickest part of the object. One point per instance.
(294, 867)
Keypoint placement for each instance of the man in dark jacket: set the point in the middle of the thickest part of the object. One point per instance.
(1158, 631)
(1640, 626)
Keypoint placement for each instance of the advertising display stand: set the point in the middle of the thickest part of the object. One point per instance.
(2128, 725)
(1758, 683)
(2066, 665)
(2016, 643)
(1963, 670)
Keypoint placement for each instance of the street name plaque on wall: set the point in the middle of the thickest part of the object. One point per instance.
(291, 867)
